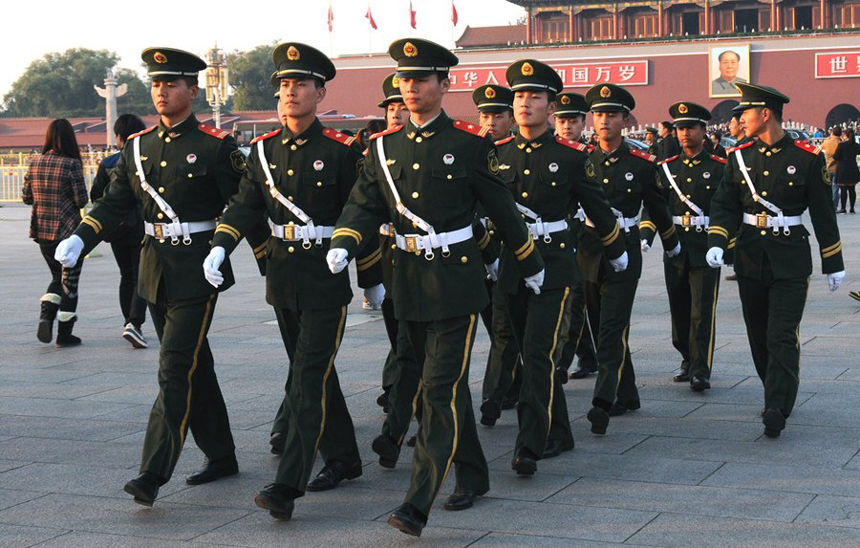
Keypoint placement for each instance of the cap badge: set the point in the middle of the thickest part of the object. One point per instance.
(605, 92)
(489, 93)
(448, 159)
(706, 175)
(159, 57)
(553, 167)
(791, 170)
(318, 165)
(293, 54)
(409, 49)
(628, 176)
(682, 108)
(395, 81)
(527, 69)
(565, 100)
(191, 158)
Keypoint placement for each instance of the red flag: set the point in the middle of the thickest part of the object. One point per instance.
(412, 16)
(369, 17)
(330, 17)
(454, 13)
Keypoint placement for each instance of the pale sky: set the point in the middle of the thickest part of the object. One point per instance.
(34, 29)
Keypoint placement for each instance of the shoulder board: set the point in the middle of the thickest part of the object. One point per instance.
(805, 145)
(500, 142)
(719, 159)
(590, 148)
(643, 155)
(471, 128)
(575, 145)
(341, 138)
(266, 136)
(213, 131)
(667, 160)
(143, 132)
(395, 129)
(741, 147)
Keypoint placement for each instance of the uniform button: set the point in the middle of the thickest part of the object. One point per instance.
(689, 180)
(290, 198)
(416, 166)
(631, 190)
(790, 183)
(525, 194)
(450, 176)
(160, 133)
(605, 181)
(163, 163)
(767, 153)
(293, 147)
(689, 196)
(290, 172)
(415, 195)
(464, 259)
(160, 215)
(527, 172)
(418, 139)
(764, 192)
(319, 183)
(161, 189)
(492, 232)
(766, 173)
(190, 175)
(686, 229)
(167, 139)
(393, 246)
(764, 232)
(561, 245)
(528, 150)
(708, 187)
(606, 163)
(552, 183)
(291, 249)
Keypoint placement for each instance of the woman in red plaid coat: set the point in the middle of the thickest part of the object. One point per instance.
(55, 187)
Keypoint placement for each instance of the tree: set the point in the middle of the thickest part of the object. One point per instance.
(250, 73)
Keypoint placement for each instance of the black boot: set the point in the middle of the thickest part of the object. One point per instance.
(64, 330)
(50, 306)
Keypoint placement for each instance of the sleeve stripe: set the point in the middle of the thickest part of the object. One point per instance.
(523, 253)
(611, 237)
(229, 230)
(669, 232)
(94, 224)
(261, 248)
(648, 224)
(484, 242)
(525, 246)
(831, 247)
(344, 231)
(831, 253)
(260, 254)
(361, 267)
(377, 253)
(720, 231)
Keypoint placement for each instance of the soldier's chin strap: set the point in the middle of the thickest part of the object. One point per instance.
(686, 201)
(780, 217)
(177, 226)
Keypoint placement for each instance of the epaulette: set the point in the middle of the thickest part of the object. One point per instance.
(500, 142)
(719, 159)
(667, 160)
(741, 147)
(266, 136)
(213, 131)
(471, 128)
(805, 145)
(643, 155)
(395, 129)
(590, 148)
(142, 132)
(341, 138)
(575, 145)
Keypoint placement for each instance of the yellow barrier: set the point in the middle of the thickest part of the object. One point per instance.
(12, 180)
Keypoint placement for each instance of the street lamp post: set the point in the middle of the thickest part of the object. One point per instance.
(216, 83)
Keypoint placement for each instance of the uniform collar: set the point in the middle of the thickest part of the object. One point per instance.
(304, 137)
(542, 139)
(179, 129)
(693, 160)
(615, 154)
(778, 146)
(429, 129)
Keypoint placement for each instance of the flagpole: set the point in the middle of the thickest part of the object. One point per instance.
(369, 32)
(330, 30)
(452, 24)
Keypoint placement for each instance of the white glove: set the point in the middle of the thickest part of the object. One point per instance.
(212, 266)
(714, 256)
(643, 243)
(619, 264)
(336, 259)
(834, 280)
(375, 295)
(493, 270)
(535, 281)
(674, 251)
(69, 251)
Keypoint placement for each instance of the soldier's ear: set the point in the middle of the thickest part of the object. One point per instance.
(320, 94)
(446, 84)
(551, 107)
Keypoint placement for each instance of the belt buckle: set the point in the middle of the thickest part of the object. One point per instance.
(761, 220)
(686, 220)
(158, 230)
(289, 232)
(411, 244)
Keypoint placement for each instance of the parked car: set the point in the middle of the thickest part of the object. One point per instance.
(797, 134)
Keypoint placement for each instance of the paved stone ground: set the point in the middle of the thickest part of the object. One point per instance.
(687, 469)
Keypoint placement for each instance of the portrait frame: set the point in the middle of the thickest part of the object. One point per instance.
(717, 85)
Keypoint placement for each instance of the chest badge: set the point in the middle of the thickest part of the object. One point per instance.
(191, 158)
(553, 167)
(628, 176)
(706, 175)
(448, 159)
(318, 165)
(791, 170)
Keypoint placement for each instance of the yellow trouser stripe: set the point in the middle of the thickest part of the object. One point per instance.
(328, 372)
(623, 355)
(466, 352)
(552, 361)
(200, 337)
(344, 231)
(713, 326)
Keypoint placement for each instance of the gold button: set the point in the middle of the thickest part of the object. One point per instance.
(686, 229)
(708, 187)
(492, 232)
(291, 249)
(766, 173)
(525, 194)
(528, 149)
(393, 246)
(631, 190)
(161, 189)
(190, 175)
(450, 176)
(293, 147)
(606, 163)
(416, 166)
(605, 181)
(290, 172)
(319, 183)
(163, 163)
(464, 259)
(561, 245)
(689, 180)
(688, 196)
(418, 139)
(291, 223)
(790, 183)
(768, 153)
(160, 133)
(764, 192)
(161, 240)
(764, 232)
(415, 195)
(167, 139)
(552, 183)
(290, 198)
(527, 172)
(160, 215)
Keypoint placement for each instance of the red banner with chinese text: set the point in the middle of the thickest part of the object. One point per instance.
(844, 64)
(625, 73)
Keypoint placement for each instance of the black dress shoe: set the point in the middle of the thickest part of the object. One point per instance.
(774, 422)
(699, 383)
(144, 488)
(509, 403)
(213, 470)
(387, 450)
(461, 499)
(618, 408)
(599, 420)
(277, 500)
(411, 441)
(278, 441)
(332, 474)
(491, 410)
(408, 520)
(555, 447)
(524, 462)
(681, 375)
(584, 368)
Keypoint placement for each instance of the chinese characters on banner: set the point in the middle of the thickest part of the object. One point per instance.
(627, 73)
(845, 64)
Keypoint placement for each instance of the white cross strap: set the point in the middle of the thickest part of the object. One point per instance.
(758, 199)
(703, 220)
(178, 228)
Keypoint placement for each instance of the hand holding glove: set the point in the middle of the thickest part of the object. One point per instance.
(336, 259)
(535, 281)
(834, 280)
(493, 270)
(69, 251)
(212, 266)
(619, 264)
(714, 256)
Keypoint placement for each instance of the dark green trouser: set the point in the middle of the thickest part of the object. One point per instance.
(579, 340)
(538, 322)
(773, 309)
(447, 433)
(189, 395)
(693, 304)
(503, 361)
(392, 328)
(289, 328)
(404, 397)
(609, 304)
(315, 407)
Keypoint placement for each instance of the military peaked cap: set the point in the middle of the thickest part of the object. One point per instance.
(571, 105)
(533, 75)
(685, 114)
(491, 98)
(391, 89)
(295, 60)
(170, 63)
(754, 95)
(609, 98)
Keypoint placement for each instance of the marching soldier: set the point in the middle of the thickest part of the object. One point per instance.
(549, 177)
(629, 179)
(690, 181)
(300, 176)
(767, 186)
(182, 173)
(426, 178)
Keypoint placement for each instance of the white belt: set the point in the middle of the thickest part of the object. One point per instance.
(415, 243)
(763, 220)
(545, 229)
(387, 229)
(687, 220)
(300, 232)
(174, 231)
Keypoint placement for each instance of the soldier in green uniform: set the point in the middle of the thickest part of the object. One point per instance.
(569, 123)
(300, 176)
(629, 178)
(426, 179)
(182, 173)
(690, 180)
(767, 186)
(549, 177)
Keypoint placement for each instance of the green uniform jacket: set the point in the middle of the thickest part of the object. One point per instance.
(316, 171)
(551, 176)
(441, 171)
(698, 178)
(629, 179)
(791, 175)
(196, 169)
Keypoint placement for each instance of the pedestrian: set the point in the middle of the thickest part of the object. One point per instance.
(847, 173)
(829, 145)
(54, 185)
